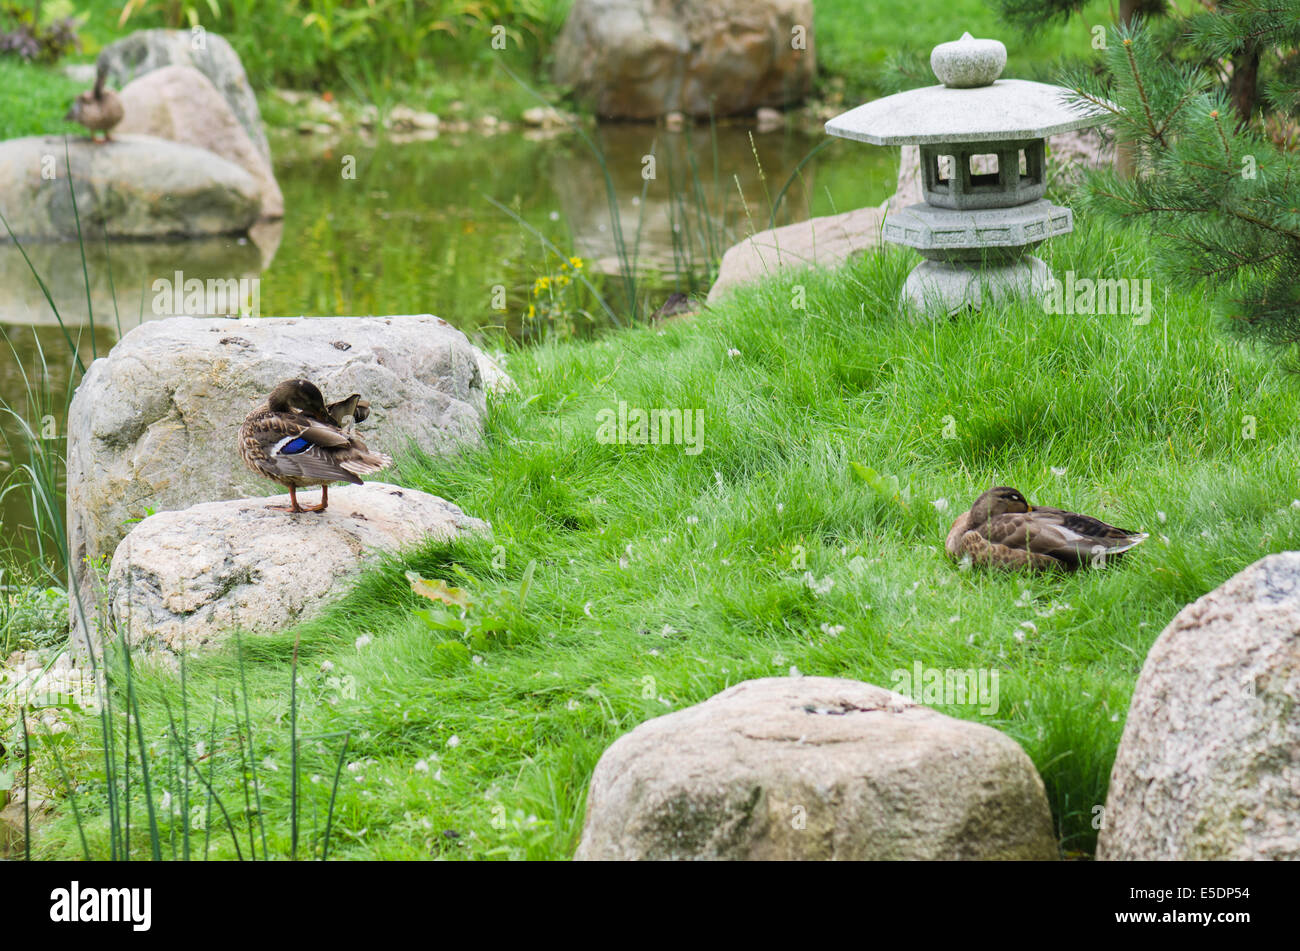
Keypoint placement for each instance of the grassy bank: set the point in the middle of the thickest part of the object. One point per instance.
(626, 581)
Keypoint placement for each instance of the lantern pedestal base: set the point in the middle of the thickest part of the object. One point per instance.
(942, 287)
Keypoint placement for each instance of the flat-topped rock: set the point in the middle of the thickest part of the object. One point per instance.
(1208, 767)
(815, 768)
(185, 580)
(154, 425)
(132, 187)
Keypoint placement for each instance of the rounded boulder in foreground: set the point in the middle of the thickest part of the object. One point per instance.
(185, 580)
(815, 768)
(1209, 763)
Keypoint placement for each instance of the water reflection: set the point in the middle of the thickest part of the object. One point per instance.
(685, 197)
(121, 276)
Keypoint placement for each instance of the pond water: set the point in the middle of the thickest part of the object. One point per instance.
(379, 227)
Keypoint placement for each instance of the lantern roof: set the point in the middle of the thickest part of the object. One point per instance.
(973, 105)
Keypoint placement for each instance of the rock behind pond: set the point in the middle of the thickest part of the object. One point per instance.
(1209, 763)
(153, 426)
(180, 104)
(132, 187)
(815, 768)
(186, 579)
(641, 59)
(146, 50)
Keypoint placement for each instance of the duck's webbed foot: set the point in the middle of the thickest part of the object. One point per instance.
(293, 505)
(324, 500)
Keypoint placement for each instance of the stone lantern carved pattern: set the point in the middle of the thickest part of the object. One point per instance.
(983, 174)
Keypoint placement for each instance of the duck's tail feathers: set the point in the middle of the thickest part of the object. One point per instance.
(1124, 544)
(367, 464)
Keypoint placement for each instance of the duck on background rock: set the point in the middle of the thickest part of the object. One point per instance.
(1003, 530)
(295, 439)
(98, 109)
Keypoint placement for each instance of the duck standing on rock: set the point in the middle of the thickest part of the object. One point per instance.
(98, 109)
(1003, 530)
(296, 440)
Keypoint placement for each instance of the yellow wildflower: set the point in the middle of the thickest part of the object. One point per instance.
(576, 262)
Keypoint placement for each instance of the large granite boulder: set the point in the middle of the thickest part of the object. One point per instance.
(827, 242)
(185, 580)
(1209, 763)
(146, 50)
(815, 768)
(180, 104)
(132, 187)
(640, 59)
(153, 426)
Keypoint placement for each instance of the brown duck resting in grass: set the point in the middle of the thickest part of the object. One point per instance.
(98, 109)
(295, 439)
(1003, 530)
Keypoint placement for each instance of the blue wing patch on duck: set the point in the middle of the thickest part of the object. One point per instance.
(291, 445)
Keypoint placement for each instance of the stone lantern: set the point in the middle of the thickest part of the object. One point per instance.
(983, 153)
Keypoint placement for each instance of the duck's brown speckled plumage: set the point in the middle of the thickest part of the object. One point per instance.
(98, 109)
(295, 411)
(1003, 530)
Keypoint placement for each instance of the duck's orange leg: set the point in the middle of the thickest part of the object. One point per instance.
(293, 505)
(324, 500)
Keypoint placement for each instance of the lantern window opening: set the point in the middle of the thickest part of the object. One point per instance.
(983, 181)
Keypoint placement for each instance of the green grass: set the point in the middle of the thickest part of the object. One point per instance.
(36, 99)
(658, 578)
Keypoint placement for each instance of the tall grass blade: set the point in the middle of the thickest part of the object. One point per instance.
(212, 762)
(27, 786)
(189, 764)
(185, 776)
(338, 772)
(293, 752)
(252, 753)
(780, 195)
(72, 796)
(81, 243)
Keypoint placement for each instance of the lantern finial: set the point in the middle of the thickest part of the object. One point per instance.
(968, 62)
